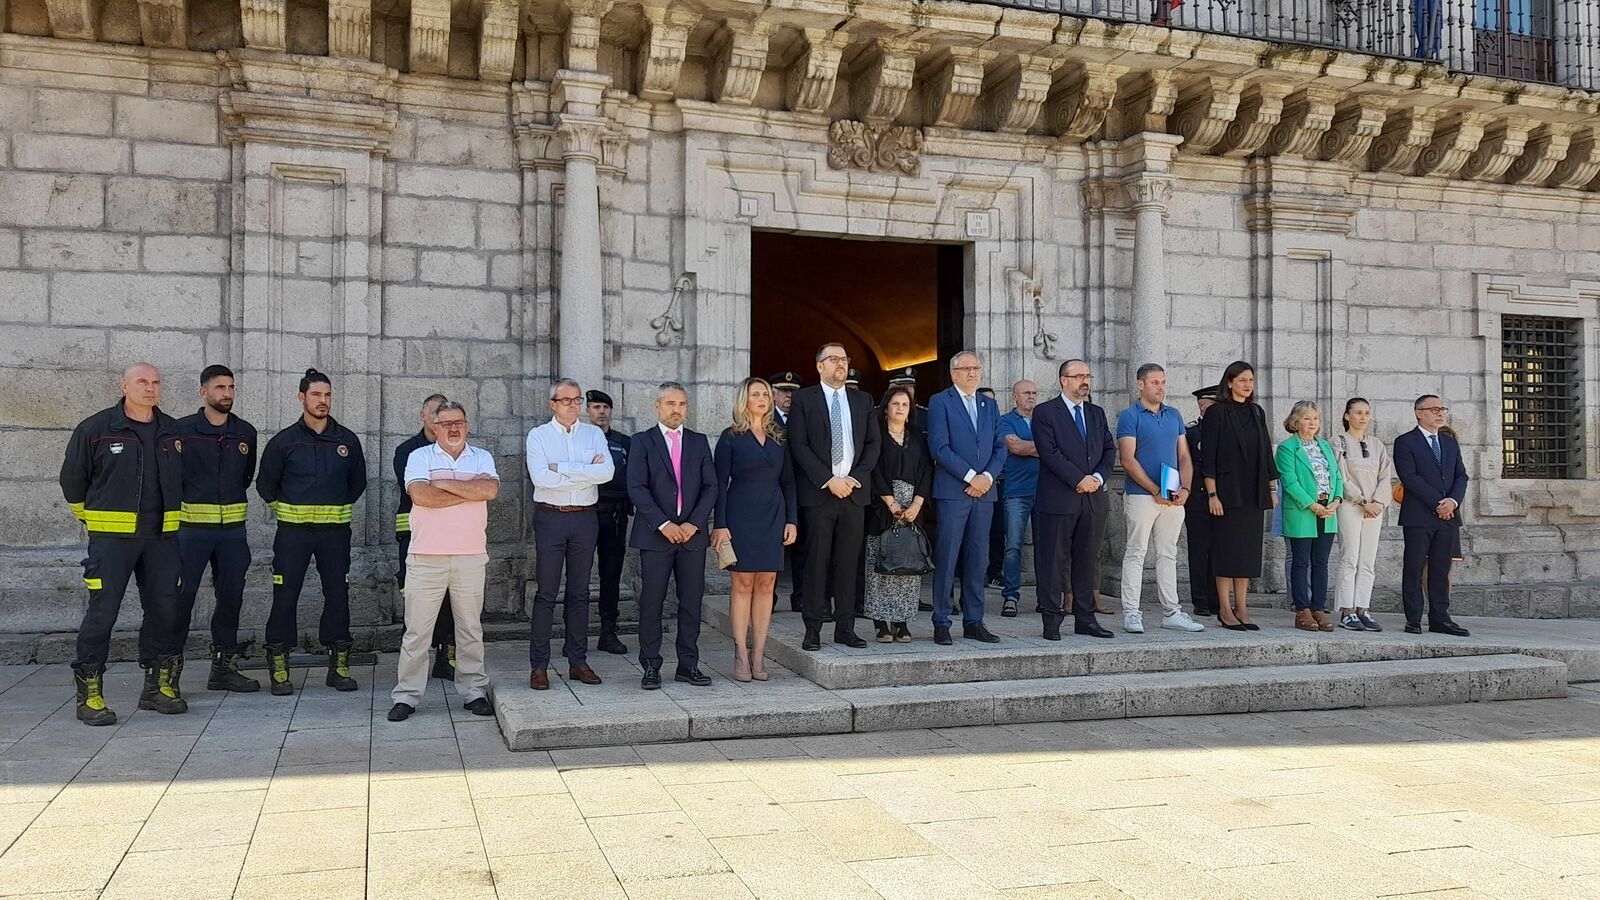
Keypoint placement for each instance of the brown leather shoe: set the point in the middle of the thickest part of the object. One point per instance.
(1321, 618)
(1304, 621)
(583, 674)
(539, 680)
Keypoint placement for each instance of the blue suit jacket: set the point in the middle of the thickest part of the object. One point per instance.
(1428, 482)
(1065, 457)
(957, 447)
(654, 492)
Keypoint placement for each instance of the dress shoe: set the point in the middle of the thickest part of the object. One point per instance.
(583, 674)
(478, 707)
(813, 641)
(849, 639)
(1008, 609)
(651, 679)
(1093, 629)
(1450, 628)
(692, 676)
(539, 680)
(1412, 628)
(976, 632)
(401, 712)
(610, 643)
(924, 606)
(941, 635)
(1052, 632)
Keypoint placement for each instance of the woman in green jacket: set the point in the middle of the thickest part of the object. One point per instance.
(1309, 474)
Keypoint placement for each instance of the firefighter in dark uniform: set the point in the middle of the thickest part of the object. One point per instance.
(312, 472)
(784, 384)
(124, 480)
(613, 509)
(444, 627)
(219, 461)
(1202, 587)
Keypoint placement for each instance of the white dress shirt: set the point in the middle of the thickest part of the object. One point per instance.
(842, 469)
(1080, 409)
(576, 479)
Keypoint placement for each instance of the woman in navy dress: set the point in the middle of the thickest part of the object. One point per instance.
(756, 510)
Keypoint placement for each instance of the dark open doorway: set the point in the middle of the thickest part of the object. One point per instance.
(891, 304)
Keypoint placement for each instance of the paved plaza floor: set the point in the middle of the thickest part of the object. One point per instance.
(318, 796)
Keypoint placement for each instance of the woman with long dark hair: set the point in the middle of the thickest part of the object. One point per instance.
(902, 482)
(1236, 463)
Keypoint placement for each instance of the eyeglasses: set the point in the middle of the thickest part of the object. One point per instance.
(967, 369)
(567, 401)
(1085, 376)
(452, 424)
(1433, 409)
(837, 360)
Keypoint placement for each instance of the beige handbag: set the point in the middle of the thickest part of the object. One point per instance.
(725, 555)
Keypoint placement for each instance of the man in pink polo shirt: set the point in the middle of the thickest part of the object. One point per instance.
(450, 483)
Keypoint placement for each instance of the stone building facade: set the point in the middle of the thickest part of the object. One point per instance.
(471, 197)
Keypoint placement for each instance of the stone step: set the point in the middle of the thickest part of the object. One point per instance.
(546, 720)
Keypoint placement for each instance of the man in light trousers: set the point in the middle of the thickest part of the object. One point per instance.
(1150, 441)
(450, 483)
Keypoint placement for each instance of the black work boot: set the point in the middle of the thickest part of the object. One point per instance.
(177, 675)
(158, 693)
(92, 710)
(444, 662)
(339, 670)
(278, 670)
(225, 674)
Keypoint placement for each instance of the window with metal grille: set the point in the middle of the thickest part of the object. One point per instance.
(1539, 402)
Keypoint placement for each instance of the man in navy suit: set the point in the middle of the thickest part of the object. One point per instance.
(672, 484)
(968, 453)
(1429, 465)
(1076, 452)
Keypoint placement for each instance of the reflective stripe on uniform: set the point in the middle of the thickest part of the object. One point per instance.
(303, 514)
(171, 519)
(77, 511)
(92, 584)
(214, 513)
(106, 521)
(402, 522)
(276, 578)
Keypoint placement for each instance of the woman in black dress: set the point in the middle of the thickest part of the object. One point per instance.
(756, 511)
(902, 482)
(1237, 464)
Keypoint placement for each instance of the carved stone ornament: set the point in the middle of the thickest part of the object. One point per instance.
(1581, 164)
(350, 28)
(164, 23)
(1204, 110)
(669, 325)
(875, 148)
(1406, 133)
(1547, 147)
(264, 23)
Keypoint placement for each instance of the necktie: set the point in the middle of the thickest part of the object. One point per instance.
(675, 450)
(836, 418)
(1077, 417)
(1438, 454)
(972, 410)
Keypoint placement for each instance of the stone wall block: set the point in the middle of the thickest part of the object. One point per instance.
(24, 297)
(178, 121)
(139, 300)
(40, 199)
(149, 205)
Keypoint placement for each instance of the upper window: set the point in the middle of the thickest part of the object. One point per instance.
(1539, 398)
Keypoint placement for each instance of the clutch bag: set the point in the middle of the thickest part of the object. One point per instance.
(725, 555)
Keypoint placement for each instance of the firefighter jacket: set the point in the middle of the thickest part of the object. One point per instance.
(218, 464)
(402, 516)
(312, 479)
(102, 476)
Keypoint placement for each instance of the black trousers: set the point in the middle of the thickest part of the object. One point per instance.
(797, 567)
(1429, 547)
(1202, 586)
(228, 554)
(610, 549)
(562, 540)
(444, 627)
(836, 535)
(154, 563)
(1065, 542)
(687, 568)
(293, 548)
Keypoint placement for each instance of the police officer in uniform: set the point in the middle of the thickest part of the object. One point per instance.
(219, 461)
(784, 384)
(312, 472)
(613, 510)
(124, 480)
(444, 627)
(1202, 587)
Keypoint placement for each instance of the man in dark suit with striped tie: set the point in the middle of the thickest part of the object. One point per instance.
(1429, 464)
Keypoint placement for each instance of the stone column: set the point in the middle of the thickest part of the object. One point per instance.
(580, 316)
(1147, 177)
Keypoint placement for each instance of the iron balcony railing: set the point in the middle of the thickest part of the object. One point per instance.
(1552, 41)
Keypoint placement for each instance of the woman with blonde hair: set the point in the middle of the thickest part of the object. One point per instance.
(755, 512)
(1312, 488)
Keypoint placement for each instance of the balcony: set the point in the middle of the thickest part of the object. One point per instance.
(1548, 41)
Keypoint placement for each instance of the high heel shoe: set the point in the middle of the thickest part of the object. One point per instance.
(758, 668)
(1231, 626)
(741, 668)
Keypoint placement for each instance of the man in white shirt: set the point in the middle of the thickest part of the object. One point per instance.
(568, 460)
(450, 483)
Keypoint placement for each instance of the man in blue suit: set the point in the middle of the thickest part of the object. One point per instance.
(1429, 465)
(672, 483)
(968, 453)
(1076, 452)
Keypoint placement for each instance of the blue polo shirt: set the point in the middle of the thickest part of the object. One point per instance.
(1021, 472)
(1156, 440)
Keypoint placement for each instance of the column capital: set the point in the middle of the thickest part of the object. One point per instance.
(580, 136)
(1148, 190)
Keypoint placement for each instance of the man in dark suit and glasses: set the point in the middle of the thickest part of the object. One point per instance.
(833, 437)
(1429, 465)
(968, 454)
(672, 482)
(1076, 452)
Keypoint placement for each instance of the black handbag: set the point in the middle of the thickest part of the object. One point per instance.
(903, 550)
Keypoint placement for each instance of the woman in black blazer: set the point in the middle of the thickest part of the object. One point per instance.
(1237, 465)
